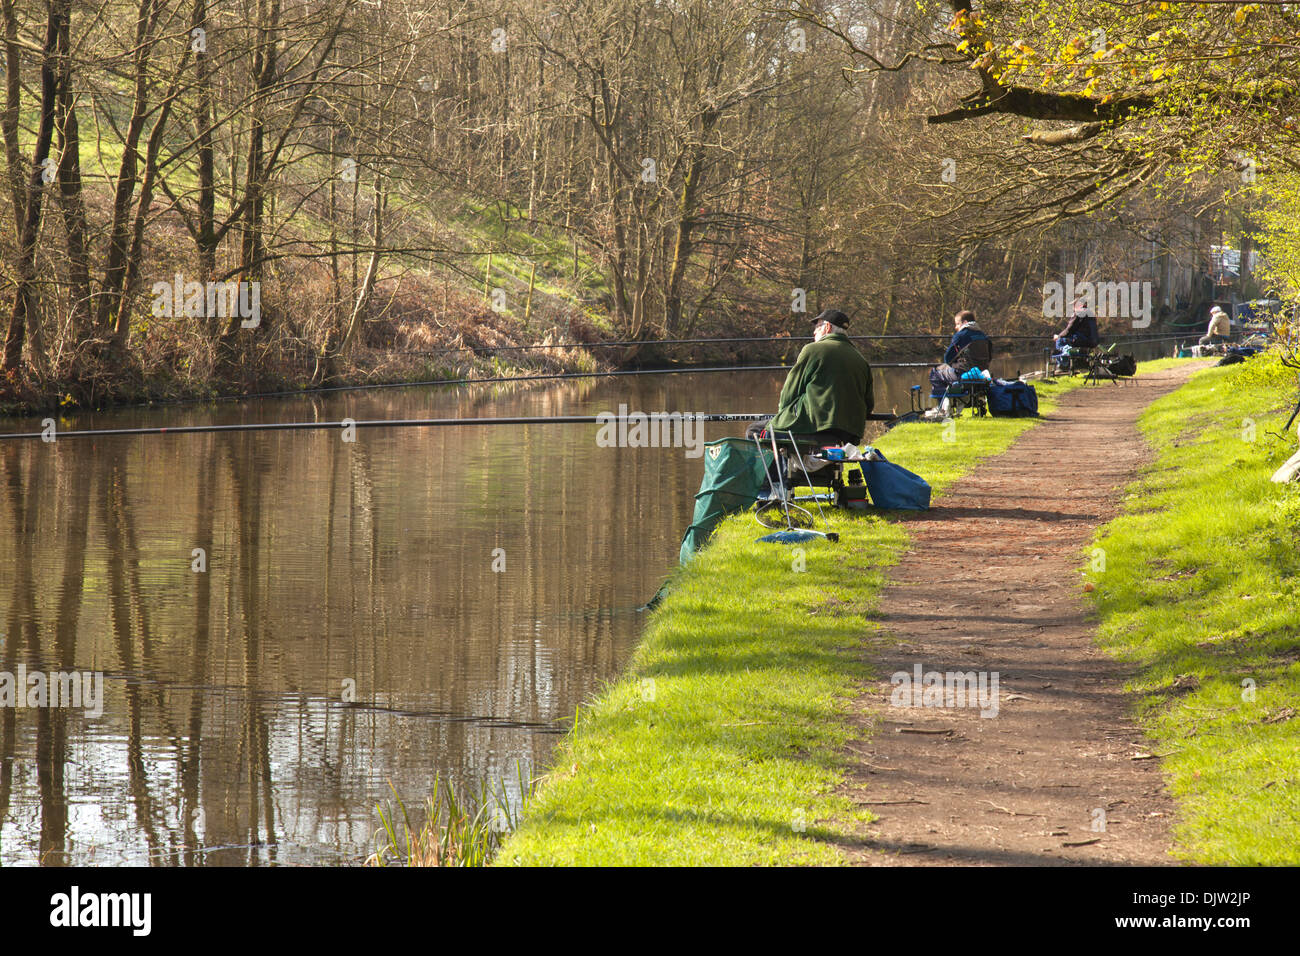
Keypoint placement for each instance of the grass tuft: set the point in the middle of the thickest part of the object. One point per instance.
(457, 829)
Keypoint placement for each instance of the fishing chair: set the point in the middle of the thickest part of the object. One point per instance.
(967, 393)
(798, 462)
(1077, 360)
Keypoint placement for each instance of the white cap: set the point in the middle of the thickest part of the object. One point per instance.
(1215, 310)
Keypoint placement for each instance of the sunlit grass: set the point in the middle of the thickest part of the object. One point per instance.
(1200, 589)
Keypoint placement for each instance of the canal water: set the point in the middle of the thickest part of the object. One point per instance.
(361, 619)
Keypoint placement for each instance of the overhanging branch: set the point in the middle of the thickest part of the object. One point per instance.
(1035, 104)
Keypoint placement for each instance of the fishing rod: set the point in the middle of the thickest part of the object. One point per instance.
(549, 376)
(50, 433)
(554, 376)
(705, 341)
(506, 379)
(503, 380)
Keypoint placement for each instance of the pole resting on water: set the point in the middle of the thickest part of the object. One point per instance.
(50, 433)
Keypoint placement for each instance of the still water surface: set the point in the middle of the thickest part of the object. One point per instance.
(350, 637)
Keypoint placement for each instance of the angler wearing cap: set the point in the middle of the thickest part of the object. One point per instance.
(828, 392)
(1220, 328)
(1080, 333)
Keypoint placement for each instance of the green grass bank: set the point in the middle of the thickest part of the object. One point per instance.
(1197, 584)
(722, 743)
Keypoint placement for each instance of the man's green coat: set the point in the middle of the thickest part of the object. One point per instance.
(829, 387)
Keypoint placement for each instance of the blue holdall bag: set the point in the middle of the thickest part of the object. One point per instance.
(1012, 400)
(892, 486)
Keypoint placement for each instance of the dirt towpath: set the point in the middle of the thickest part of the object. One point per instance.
(1060, 775)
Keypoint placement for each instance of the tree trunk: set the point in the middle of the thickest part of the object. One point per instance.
(204, 120)
(23, 313)
(119, 236)
(264, 70)
(147, 181)
(70, 196)
(684, 246)
(9, 116)
(372, 271)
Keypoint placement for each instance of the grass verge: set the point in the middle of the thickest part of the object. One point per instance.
(723, 742)
(1199, 589)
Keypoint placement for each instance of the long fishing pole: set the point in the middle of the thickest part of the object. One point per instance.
(788, 339)
(503, 380)
(922, 336)
(50, 433)
(549, 376)
(556, 376)
(506, 379)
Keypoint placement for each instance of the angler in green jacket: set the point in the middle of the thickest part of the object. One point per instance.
(828, 392)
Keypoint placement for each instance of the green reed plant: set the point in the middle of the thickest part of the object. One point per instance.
(458, 828)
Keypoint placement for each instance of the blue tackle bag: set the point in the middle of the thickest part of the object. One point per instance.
(1012, 399)
(892, 486)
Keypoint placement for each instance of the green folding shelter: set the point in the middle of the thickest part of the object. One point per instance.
(735, 474)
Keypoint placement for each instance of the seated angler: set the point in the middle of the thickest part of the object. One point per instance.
(1219, 329)
(970, 348)
(1079, 333)
(827, 396)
